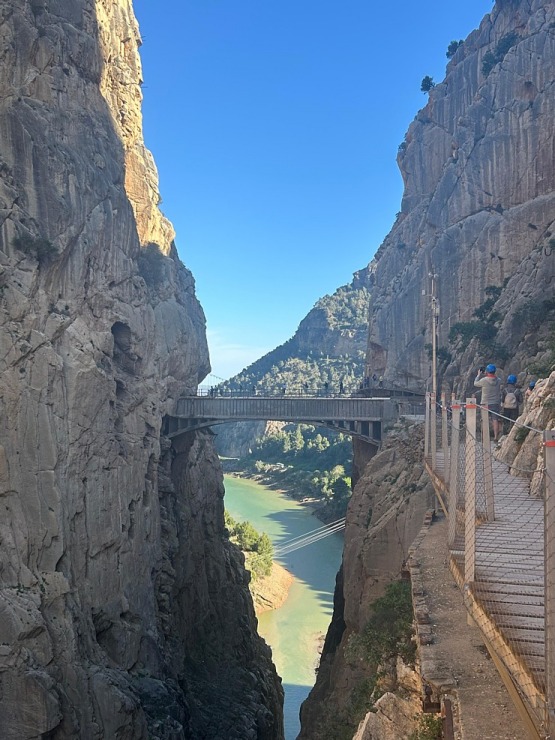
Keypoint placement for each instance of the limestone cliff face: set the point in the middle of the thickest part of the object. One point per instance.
(124, 611)
(384, 516)
(479, 205)
(478, 212)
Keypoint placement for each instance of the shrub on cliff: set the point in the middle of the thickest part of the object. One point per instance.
(151, 264)
(427, 84)
(36, 246)
(491, 58)
(452, 48)
(258, 548)
(389, 630)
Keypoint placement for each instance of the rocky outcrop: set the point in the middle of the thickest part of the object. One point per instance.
(522, 449)
(384, 516)
(478, 208)
(124, 611)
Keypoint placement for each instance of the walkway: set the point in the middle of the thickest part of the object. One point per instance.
(496, 543)
(354, 415)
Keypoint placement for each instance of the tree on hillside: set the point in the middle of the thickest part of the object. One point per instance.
(427, 84)
(452, 48)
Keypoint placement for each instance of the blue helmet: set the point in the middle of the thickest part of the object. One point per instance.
(532, 384)
(512, 379)
(490, 368)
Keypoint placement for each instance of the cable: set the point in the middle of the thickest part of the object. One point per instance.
(303, 540)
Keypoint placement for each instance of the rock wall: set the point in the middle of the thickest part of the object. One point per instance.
(124, 611)
(477, 213)
(384, 516)
(478, 208)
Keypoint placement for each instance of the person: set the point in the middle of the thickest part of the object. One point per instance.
(341, 387)
(528, 392)
(380, 382)
(490, 385)
(511, 399)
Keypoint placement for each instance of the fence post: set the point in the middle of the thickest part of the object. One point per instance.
(433, 430)
(488, 473)
(454, 470)
(445, 438)
(427, 427)
(549, 535)
(470, 493)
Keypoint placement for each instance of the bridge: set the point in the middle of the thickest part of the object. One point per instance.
(358, 416)
(501, 543)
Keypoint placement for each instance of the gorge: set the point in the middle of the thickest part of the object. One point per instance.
(124, 608)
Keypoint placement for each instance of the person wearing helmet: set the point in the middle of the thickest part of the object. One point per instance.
(490, 385)
(528, 392)
(511, 400)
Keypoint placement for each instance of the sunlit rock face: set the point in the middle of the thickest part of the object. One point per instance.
(121, 600)
(478, 206)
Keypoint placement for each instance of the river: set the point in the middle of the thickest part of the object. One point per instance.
(296, 630)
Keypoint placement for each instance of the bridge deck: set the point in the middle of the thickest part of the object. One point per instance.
(506, 599)
(286, 408)
(355, 415)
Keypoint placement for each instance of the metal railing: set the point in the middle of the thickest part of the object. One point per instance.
(501, 542)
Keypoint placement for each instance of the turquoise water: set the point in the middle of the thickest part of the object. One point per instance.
(294, 631)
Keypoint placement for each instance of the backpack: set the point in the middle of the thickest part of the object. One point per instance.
(511, 400)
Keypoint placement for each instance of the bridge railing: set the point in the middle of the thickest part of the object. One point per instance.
(502, 548)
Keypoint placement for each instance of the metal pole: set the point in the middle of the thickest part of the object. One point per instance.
(488, 472)
(433, 419)
(427, 427)
(549, 545)
(445, 438)
(454, 474)
(470, 493)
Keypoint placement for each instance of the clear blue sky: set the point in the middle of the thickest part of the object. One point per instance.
(275, 127)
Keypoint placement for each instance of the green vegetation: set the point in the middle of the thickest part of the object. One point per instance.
(388, 633)
(452, 48)
(521, 434)
(491, 58)
(442, 353)
(258, 548)
(302, 363)
(430, 727)
(484, 328)
(532, 314)
(427, 84)
(545, 367)
(151, 264)
(307, 461)
(36, 246)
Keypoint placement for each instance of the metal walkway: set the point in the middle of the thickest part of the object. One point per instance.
(497, 545)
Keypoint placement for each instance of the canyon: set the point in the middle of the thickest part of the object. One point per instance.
(124, 609)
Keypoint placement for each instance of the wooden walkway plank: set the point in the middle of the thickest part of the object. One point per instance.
(507, 596)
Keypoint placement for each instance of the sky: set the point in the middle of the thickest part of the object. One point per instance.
(275, 128)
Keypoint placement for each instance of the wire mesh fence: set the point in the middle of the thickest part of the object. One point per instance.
(502, 551)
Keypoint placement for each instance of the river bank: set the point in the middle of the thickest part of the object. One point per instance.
(295, 630)
(271, 592)
(272, 480)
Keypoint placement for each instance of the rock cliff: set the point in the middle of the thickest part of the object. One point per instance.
(124, 610)
(478, 214)
(478, 209)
